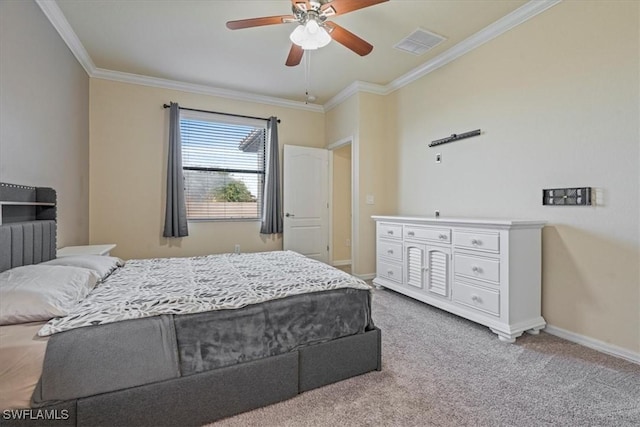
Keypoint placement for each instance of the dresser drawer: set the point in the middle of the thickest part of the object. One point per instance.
(479, 241)
(478, 298)
(390, 271)
(442, 235)
(477, 267)
(390, 231)
(391, 250)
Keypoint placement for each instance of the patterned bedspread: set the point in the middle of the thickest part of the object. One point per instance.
(145, 288)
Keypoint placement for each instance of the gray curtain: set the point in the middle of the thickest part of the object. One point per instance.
(272, 200)
(175, 220)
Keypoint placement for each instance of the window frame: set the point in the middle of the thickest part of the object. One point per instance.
(228, 120)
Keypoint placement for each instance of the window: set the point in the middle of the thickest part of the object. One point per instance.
(223, 165)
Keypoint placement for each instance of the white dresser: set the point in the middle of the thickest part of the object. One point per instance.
(487, 271)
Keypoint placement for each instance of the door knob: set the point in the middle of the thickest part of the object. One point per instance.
(288, 214)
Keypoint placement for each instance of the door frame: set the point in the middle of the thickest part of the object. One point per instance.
(353, 141)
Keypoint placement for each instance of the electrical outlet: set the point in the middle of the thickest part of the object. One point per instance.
(236, 249)
(347, 242)
(439, 158)
(437, 213)
(597, 197)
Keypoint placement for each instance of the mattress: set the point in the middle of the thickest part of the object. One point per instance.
(153, 287)
(21, 356)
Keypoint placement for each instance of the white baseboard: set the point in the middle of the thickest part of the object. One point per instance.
(366, 276)
(341, 262)
(595, 344)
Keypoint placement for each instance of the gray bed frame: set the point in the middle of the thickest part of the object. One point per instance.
(28, 236)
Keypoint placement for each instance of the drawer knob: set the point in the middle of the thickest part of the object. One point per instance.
(411, 233)
(390, 272)
(390, 251)
(476, 242)
(476, 269)
(390, 232)
(443, 236)
(476, 299)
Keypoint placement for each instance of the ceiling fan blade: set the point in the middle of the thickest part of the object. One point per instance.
(302, 5)
(348, 39)
(340, 7)
(258, 22)
(295, 55)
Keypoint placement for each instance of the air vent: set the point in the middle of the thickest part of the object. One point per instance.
(419, 42)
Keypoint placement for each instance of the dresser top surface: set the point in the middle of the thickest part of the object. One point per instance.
(478, 222)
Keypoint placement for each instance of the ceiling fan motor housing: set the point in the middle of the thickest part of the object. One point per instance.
(305, 15)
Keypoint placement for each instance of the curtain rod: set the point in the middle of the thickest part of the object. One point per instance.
(217, 112)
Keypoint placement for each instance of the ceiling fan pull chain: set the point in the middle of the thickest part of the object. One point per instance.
(307, 75)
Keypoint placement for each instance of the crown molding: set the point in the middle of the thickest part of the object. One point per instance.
(502, 25)
(515, 18)
(352, 89)
(60, 23)
(119, 76)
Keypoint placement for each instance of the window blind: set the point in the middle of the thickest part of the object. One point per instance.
(223, 165)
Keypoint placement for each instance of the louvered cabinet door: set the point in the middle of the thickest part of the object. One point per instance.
(437, 270)
(414, 265)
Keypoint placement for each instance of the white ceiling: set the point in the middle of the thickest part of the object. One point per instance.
(187, 41)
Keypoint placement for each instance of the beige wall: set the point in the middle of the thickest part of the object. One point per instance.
(377, 160)
(370, 121)
(341, 204)
(44, 115)
(342, 122)
(366, 119)
(557, 101)
(128, 163)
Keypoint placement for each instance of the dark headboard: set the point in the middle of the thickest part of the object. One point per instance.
(27, 225)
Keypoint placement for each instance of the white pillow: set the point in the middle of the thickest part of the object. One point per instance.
(102, 265)
(41, 292)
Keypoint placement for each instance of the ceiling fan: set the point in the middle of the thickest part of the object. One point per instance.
(314, 30)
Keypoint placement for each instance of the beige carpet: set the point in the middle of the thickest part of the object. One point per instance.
(441, 370)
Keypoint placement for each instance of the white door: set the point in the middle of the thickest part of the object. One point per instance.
(306, 201)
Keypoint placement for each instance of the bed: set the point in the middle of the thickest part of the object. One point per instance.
(136, 351)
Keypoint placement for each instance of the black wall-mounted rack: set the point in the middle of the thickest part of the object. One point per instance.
(455, 137)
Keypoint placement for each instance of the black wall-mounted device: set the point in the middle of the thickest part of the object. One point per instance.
(579, 196)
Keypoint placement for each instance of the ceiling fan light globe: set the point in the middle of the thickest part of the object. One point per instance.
(312, 27)
(310, 41)
(298, 36)
(323, 37)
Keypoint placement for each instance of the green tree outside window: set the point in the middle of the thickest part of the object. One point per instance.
(235, 191)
